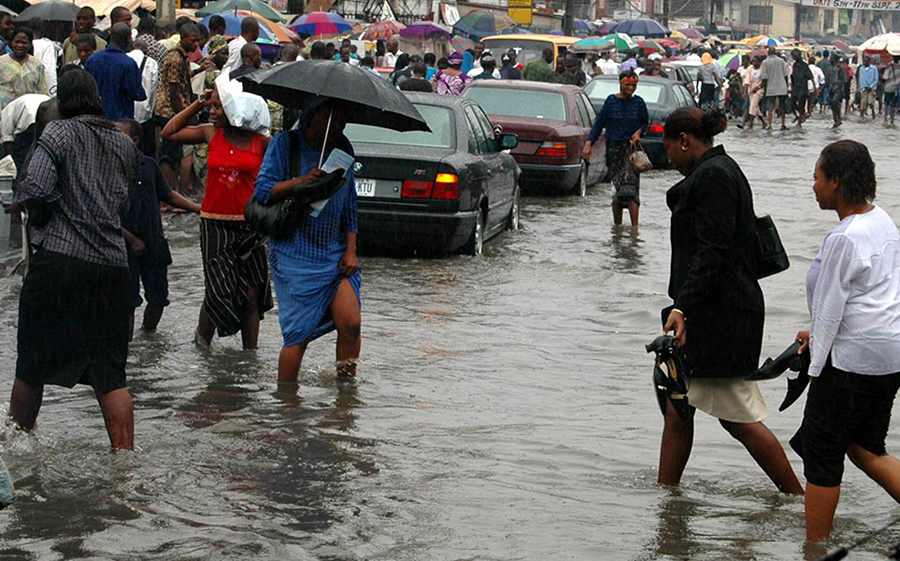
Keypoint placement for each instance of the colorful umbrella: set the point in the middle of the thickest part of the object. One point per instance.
(383, 30)
(731, 60)
(424, 30)
(267, 29)
(752, 40)
(650, 46)
(673, 45)
(768, 42)
(592, 45)
(622, 41)
(478, 24)
(460, 43)
(691, 33)
(643, 27)
(315, 24)
(249, 5)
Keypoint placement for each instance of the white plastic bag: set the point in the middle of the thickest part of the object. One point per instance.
(244, 110)
(7, 167)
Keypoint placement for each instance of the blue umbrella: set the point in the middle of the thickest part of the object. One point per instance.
(579, 25)
(233, 25)
(642, 27)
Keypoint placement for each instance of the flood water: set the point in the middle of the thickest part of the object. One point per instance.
(503, 409)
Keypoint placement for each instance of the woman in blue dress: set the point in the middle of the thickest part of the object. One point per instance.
(315, 269)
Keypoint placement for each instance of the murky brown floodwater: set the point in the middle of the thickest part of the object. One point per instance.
(503, 409)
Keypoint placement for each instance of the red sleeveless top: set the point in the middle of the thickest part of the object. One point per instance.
(231, 174)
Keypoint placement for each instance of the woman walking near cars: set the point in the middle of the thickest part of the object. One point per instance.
(235, 271)
(718, 310)
(853, 293)
(317, 278)
(75, 303)
(625, 118)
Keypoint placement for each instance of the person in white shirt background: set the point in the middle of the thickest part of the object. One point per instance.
(249, 34)
(607, 65)
(16, 127)
(392, 53)
(46, 51)
(143, 110)
(815, 85)
(853, 293)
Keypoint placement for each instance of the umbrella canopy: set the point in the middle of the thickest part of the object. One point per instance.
(642, 26)
(592, 45)
(731, 60)
(673, 45)
(460, 43)
(373, 100)
(842, 46)
(768, 42)
(692, 33)
(49, 11)
(752, 40)
(889, 42)
(607, 28)
(233, 26)
(622, 41)
(320, 23)
(650, 46)
(424, 29)
(478, 24)
(383, 30)
(249, 5)
(581, 26)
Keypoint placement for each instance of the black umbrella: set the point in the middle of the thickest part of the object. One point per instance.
(372, 99)
(49, 11)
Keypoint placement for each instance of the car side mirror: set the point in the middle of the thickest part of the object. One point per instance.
(508, 141)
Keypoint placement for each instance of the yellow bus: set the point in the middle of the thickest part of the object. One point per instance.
(529, 47)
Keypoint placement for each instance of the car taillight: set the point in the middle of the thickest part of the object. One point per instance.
(446, 186)
(657, 126)
(552, 150)
(416, 189)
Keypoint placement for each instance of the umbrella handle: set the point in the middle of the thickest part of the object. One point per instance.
(327, 130)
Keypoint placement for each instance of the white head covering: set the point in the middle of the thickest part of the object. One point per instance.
(244, 110)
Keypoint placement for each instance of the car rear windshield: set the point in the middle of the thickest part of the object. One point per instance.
(511, 102)
(652, 94)
(439, 119)
(526, 51)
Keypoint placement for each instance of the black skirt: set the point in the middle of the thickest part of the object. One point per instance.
(73, 323)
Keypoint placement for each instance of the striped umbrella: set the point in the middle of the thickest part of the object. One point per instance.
(315, 24)
(622, 41)
(768, 42)
(268, 30)
(731, 60)
(460, 43)
(478, 24)
(383, 30)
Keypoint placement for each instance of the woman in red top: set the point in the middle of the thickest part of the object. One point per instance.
(238, 292)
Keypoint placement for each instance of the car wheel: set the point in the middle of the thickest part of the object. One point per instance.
(476, 242)
(512, 223)
(581, 185)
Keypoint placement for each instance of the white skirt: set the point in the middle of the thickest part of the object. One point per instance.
(729, 399)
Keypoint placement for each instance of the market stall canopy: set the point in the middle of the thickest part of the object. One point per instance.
(250, 5)
(644, 27)
(102, 7)
(593, 45)
(889, 42)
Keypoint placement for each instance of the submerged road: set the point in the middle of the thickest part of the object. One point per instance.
(503, 409)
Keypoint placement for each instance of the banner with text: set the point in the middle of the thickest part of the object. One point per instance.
(887, 5)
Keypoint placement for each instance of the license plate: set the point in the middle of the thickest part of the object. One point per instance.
(365, 187)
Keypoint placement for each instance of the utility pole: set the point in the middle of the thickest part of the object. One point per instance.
(569, 17)
(165, 11)
(712, 14)
(665, 17)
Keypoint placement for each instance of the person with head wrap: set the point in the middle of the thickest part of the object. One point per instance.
(451, 81)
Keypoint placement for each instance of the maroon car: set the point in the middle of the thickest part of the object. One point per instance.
(552, 122)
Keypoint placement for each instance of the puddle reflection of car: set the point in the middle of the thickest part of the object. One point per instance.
(553, 122)
(435, 192)
(662, 96)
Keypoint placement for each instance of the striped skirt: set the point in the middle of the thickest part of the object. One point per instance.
(227, 276)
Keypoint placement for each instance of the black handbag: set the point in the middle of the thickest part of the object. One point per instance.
(771, 258)
(279, 219)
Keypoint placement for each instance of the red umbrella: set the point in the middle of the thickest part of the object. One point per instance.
(383, 30)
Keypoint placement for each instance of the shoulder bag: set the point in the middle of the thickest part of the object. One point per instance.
(771, 258)
(279, 219)
(639, 159)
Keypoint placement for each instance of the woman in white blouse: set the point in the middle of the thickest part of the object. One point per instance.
(853, 293)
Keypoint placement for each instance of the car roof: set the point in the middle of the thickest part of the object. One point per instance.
(523, 85)
(536, 37)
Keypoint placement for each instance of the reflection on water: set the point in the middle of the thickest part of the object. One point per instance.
(502, 409)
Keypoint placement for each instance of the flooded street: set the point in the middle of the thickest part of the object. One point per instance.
(503, 408)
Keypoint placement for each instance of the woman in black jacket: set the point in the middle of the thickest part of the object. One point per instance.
(718, 308)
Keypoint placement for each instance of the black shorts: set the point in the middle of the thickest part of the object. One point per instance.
(843, 408)
(153, 273)
(73, 323)
(799, 101)
(169, 151)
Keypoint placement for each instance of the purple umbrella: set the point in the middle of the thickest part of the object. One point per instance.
(424, 29)
(692, 33)
(606, 28)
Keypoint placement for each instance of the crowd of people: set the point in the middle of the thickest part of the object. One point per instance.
(82, 125)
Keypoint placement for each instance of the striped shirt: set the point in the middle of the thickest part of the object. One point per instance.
(87, 170)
